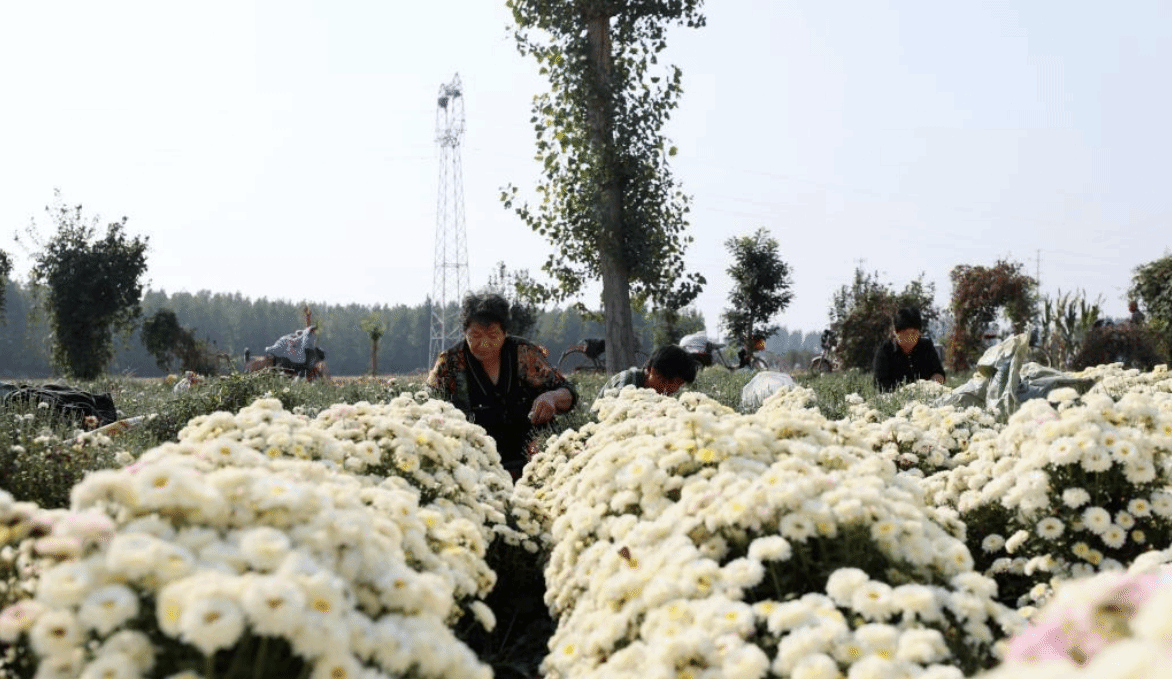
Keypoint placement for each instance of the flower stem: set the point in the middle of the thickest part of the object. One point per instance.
(259, 663)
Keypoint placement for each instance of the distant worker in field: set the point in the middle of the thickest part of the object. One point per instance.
(906, 356)
(1137, 316)
(745, 356)
(501, 382)
(668, 369)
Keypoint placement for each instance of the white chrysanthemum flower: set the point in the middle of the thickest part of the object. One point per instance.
(274, 605)
(796, 526)
(872, 600)
(1139, 507)
(1062, 395)
(916, 600)
(18, 618)
(1162, 503)
(992, 543)
(1139, 471)
(1113, 536)
(1096, 460)
(770, 548)
(337, 665)
(816, 666)
(1050, 528)
(874, 667)
(922, 646)
(1096, 519)
(743, 573)
(1017, 540)
(484, 615)
(66, 584)
(1153, 620)
(842, 584)
(56, 633)
(210, 623)
(132, 555)
(172, 562)
(1064, 451)
(135, 646)
(169, 483)
(942, 672)
(1075, 497)
(264, 547)
(62, 666)
(108, 607)
(112, 665)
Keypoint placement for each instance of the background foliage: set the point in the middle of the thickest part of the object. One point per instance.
(5, 269)
(91, 285)
(860, 314)
(978, 294)
(761, 288)
(607, 202)
(1152, 287)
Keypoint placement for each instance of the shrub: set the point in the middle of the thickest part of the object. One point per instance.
(1130, 344)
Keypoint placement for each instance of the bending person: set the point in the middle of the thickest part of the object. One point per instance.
(501, 382)
(668, 369)
(906, 356)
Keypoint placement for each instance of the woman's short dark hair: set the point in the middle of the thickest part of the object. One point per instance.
(907, 317)
(485, 309)
(672, 361)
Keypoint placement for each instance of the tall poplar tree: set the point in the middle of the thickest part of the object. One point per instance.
(608, 202)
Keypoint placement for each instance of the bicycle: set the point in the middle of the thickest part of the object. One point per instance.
(586, 356)
(748, 358)
(826, 362)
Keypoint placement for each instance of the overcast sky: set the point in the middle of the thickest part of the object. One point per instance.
(287, 150)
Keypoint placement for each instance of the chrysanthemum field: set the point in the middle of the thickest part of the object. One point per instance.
(258, 529)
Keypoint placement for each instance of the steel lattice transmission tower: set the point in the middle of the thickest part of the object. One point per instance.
(450, 272)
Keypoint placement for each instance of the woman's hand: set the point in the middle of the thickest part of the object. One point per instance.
(548, 405)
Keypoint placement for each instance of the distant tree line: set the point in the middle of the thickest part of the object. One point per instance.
(227, 324)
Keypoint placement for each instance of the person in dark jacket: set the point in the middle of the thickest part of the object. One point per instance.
(502, 382)
(907, 356)
(668, 369)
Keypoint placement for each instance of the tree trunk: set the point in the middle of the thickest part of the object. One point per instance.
(373, 356)
(616, 284)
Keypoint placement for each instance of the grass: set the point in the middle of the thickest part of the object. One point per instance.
(42, 453)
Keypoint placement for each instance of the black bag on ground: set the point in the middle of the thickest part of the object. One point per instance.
(64, 399)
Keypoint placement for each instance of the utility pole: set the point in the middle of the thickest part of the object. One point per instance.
(450, 269)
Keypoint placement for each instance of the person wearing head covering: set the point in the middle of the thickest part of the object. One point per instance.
(906, 356)
(668, 369)
(500, 382)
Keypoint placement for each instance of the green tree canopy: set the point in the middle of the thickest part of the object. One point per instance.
(517, 287)
(1151, 286)
(978, 293)
(91, 287)
(163, 337)
(375, 327)
(608, 202)
(861, 312)
(169, 342)
(761, 288)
